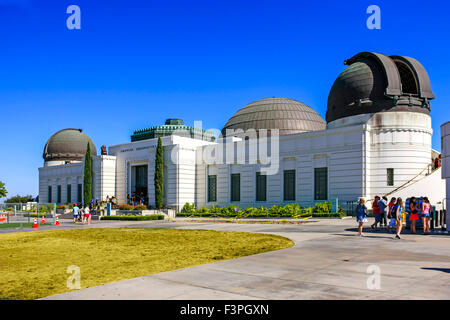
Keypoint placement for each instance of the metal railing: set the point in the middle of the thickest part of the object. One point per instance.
(21, 213)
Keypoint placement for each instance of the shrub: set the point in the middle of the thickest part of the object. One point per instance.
(204, 210)
(140, 207)
(276, 211)
(189, 208)
(322, 207)
(134, 218)
(126, 207)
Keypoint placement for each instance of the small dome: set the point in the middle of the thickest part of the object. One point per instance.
(286, 115)
(68, 145)
(374, 82)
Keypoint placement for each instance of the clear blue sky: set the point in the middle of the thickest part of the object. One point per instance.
(135, 63)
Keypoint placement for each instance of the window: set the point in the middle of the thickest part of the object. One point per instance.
(69, 193)
(58, 195)
(49, 198)
(212, 188)
(289, 185)
(261, 187)
(390, 177)
(236, 187)
(321, 183)
(80, 193)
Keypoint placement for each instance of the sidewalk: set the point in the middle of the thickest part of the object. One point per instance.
(328, 261)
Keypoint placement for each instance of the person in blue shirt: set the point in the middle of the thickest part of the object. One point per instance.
(75, 213)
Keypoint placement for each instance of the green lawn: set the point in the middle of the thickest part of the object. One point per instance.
(34, 264)
(17, 225)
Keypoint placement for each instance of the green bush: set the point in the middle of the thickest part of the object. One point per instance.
(46, 208)
(189, 208)
(126, 207)
(204, 210)
(134, 218)
(140, 207)
(322, 209)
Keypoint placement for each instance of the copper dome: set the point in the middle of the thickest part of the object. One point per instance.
(287, 115)
(374, 82)
(67, 145)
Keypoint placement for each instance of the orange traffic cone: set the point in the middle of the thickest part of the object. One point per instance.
(57, 222)
(10, 213)
(43, 220)
(35, 225)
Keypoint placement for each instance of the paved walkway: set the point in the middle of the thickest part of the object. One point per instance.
(327, 262)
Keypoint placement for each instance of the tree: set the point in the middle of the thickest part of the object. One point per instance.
(3, 191)
(87, 176)
(159, 175)
(20, 199)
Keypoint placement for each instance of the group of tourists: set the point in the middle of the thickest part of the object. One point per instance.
(137, 199)
(82, 214)
(112, 200)
(437, 162)
(392, 211)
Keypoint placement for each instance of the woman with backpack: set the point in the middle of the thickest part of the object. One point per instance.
(361, 215)
(397, 214)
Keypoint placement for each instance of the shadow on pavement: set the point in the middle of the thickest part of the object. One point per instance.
(446, 270)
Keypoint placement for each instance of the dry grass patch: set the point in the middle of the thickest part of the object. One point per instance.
(34, 264)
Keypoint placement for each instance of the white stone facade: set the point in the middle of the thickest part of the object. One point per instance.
(358, 152)
(65, 180)
(445, 145)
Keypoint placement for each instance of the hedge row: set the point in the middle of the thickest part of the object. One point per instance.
(129, 207)
(220, 215)
(134, 218)
(290, 210)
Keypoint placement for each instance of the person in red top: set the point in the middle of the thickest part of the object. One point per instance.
(376, 212)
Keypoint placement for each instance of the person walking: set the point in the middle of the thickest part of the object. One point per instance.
(414, 216)
(81, 214)
(397, 214)
(390, 205)
(382, 203)
(87, 214)
(75, 213)
(426, 210)
(376, 212)
(361, 215)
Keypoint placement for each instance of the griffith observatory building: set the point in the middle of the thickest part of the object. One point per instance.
(375, 140)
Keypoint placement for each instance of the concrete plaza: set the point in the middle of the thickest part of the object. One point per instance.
(328, 261)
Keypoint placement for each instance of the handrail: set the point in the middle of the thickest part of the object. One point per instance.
(409, 181)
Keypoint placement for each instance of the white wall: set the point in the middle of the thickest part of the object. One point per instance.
(357, 151)
(103, 171)
(445, 147)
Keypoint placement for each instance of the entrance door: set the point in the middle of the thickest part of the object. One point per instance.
(140, 183)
